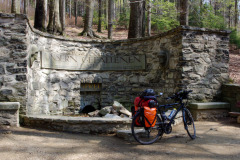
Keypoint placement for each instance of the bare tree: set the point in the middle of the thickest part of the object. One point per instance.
(76, 11)
(184, 9)
(229, 15)
(87, 31)
(236, 14)
(40, 19)
(70, 9)
(15, 6)
(106, 13)
(26, 3)
(54, 26)
(110, 18)
(100, 16)
(149, 8)
(136, 17)
(62, 8)
(143, 18)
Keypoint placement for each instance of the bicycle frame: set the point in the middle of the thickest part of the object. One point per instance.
(167, 106)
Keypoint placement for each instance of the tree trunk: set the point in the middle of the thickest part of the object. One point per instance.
(81, 9)
(100, 16)
(184, 12)
(54, 26)
(124, 12)
(107, 13)
(236, 14)
(26, 3)
(229, 16)
(15, 6)
(62, 14)
(110, 17)
(87, 31)
(75, 11)
(143, 19)
(149, 19)
(40, 15)
(70, 9)
(136, 17)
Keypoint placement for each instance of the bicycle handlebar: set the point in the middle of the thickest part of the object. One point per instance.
(183, 94)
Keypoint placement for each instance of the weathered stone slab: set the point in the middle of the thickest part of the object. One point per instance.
(92, 62)
(9, 113)
(210, 105)
(209, 111)
(77, 124)
(9, 105)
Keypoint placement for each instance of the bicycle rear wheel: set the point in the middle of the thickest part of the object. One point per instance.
(189, 123)
(145, 135)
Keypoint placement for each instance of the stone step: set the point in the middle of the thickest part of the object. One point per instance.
(209, 110)
(77, 124)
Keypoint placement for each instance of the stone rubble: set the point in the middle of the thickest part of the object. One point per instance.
(117, 110)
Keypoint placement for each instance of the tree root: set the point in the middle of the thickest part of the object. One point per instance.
(90, 34)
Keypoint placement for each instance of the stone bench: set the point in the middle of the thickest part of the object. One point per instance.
(77, 124)
(9, 113)
(209, 111)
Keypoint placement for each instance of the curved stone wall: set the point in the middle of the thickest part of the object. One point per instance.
(58, 75)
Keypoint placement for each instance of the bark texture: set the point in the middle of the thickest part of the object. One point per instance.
(62, 14)
(87, 31)
(110, 18)
(54, 26)
(135, 24)
(26, 4)
(184, 9)
(40, 15)
(15, 6)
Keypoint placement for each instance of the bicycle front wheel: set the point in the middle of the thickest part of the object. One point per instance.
(189, 123)
(147, 135)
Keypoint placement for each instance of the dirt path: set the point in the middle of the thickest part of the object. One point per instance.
(216, 140)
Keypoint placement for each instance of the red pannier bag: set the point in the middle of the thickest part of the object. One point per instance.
(150, 116)
(147, 116)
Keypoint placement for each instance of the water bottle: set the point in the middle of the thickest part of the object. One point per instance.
(172, 113)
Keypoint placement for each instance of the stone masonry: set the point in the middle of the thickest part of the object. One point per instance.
(183, 58)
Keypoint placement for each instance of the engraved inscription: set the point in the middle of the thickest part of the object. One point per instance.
(92, 62)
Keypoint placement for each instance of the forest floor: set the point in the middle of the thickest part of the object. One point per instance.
(219, 140)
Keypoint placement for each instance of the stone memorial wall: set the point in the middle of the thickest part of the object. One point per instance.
(54, 75)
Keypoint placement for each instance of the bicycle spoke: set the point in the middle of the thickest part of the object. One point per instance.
(189, 124)
(146, 135)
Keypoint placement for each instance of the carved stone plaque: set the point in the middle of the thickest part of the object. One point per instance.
(92, 62)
